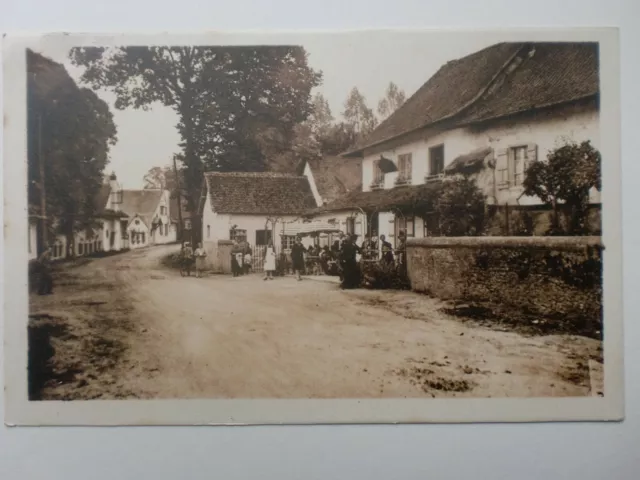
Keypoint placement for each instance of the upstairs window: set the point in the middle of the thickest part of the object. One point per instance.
(163, 210)
(512, 163)
(517, 160)
(436, 161)
(404, 168)
(378, 175)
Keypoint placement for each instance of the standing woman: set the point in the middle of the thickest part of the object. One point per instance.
(200, 255)
(269, 262)
(297, 257)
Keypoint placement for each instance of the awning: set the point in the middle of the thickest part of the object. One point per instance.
(469, 163)
(386, 165)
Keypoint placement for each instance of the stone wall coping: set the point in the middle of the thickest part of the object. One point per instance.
(558, 243)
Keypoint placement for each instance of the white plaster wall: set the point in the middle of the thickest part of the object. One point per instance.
(547, 130)
(312, 183)
(138, 226)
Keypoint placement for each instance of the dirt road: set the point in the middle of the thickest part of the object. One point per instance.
(128, 327)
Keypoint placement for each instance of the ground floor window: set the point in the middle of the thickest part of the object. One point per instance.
(287, 242)
(407, 224)
(351, 225)
(431, 225)
(142, 236)
(80, 249)
(263, 237)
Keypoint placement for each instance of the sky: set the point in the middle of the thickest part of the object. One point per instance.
(367, 60)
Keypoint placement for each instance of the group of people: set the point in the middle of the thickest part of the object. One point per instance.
(191, 257)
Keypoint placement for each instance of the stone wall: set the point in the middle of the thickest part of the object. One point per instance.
(551, 277)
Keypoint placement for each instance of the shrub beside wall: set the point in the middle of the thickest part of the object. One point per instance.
(552, 277)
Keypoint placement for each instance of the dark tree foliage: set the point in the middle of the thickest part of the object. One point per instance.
(564, 180)
(460, 207)
(73, 130)
(234, 103)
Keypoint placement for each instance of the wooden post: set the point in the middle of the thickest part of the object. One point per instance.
(43, 197)
(175, 171)
(506, 218)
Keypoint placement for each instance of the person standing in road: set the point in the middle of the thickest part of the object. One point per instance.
(187, 257)
(45, 278)
(269, 262)
(200, 255)
(297, 258)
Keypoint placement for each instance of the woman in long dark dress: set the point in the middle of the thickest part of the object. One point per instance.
(297, 258)
(350, 270)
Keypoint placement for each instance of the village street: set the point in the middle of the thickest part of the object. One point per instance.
(126, 326)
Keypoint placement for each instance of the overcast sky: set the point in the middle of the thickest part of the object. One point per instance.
(366, 60)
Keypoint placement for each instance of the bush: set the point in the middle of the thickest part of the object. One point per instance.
(378, 275)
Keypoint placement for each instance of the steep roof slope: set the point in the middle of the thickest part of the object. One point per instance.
(336, 176)
(500, 80)
(141, 202)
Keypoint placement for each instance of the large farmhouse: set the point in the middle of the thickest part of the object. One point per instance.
(491, 114)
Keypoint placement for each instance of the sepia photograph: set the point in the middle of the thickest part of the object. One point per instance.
(397, 216)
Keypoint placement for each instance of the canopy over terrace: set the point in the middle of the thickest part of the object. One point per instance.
(413, 198)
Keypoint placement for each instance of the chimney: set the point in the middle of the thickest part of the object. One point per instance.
(116, 192)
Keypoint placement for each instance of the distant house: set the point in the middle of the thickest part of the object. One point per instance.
(149, 221)
(489, 114)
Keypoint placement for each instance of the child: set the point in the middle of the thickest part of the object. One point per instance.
(247, 263)
(269, 262)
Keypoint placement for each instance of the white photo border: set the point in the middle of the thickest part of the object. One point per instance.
(20, 411)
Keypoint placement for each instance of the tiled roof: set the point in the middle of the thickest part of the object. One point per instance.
(336, 176)
(554, 73)
(141, 202)
(405, 197)
(259, 193)
(499, 80)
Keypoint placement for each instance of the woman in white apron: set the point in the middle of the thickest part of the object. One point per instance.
(269, 262)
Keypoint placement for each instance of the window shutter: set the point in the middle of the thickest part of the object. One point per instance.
(502, 167)
(532, 155)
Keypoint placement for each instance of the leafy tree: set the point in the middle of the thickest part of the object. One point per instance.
(338, 139)
(564, 179)
(321, 118)
(393, 99)
(161, 178)
(357, 115)
(235, 104)
(460, 207)
(73, 130)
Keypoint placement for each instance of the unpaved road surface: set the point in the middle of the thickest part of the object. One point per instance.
(127, 327)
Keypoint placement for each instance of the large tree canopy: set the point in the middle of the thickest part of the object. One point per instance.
(71, 129)
(236, 105)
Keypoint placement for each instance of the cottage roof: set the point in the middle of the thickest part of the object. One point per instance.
(141, 202)
(500, 80)
(259, 193)
(335, 176)
(403, 197)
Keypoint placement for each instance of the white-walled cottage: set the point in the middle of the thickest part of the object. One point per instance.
(493, 112)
